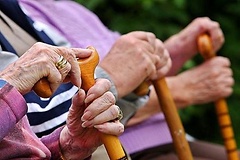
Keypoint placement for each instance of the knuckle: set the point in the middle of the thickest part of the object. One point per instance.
(109, 98)
(227, 92)
(215, 72)
(113, 113)
(151, 35)
(121, 128)
(232, 82)
(107, 83)
(139, 50)
(39, 45)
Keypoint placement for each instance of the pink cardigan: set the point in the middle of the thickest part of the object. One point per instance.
(16, 138)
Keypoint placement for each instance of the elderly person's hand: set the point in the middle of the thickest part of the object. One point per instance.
(135, 57)
(205, 83)
(209, 82)
(81, 136)
(183, 46)
(40, 61)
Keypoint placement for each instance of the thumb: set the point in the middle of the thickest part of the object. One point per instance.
(78, 106)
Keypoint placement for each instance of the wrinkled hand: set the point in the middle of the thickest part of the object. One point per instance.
(135, 57)
(81, 136)
(205, 83)
(39, 61)
(204, 25)
(183, 46)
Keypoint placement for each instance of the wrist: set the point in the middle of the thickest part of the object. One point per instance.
(179, 91)
(181, 46)
(72, 147)
(61, 154)
(10, 79)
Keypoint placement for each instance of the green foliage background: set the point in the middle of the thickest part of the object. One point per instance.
(167, 17)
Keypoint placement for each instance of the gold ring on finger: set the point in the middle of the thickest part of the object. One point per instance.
(61, 63)
(120, 114)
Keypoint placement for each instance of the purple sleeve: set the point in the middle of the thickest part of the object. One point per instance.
(52, 143)
(12, 108)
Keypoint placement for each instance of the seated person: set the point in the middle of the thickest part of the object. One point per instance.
(17, 140)
(181, 47)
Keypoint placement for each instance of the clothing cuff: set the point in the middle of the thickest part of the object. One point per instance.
(52, 143)
(14, 99)
(101, 73)
(12, 109)
(128, 104)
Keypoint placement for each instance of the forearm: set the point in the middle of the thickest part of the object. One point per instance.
(12, 108)
(52, 143)
(180, 51)
(178, 91)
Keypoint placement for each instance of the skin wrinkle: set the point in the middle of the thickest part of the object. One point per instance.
(85, 149)
(108, 100)
(113, 112)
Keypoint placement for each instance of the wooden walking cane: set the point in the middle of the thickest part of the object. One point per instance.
(206, 50)
(172, 118)
(88, 65)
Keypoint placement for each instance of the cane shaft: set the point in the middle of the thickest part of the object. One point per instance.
(224, 120)
(173, 120)
(142, 89)
(226, 129)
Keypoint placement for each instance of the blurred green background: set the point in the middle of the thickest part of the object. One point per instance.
(167, 17)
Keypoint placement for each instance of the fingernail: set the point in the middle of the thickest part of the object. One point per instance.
(83, 125)
(89, 98)
(87, 124)
(86, 116)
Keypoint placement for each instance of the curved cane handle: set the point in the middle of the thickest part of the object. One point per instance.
(42, 88)
(87, 66)
(206, 50)
(205, 46)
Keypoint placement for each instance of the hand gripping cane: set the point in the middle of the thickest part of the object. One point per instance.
(88, 65)
(206, 50)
